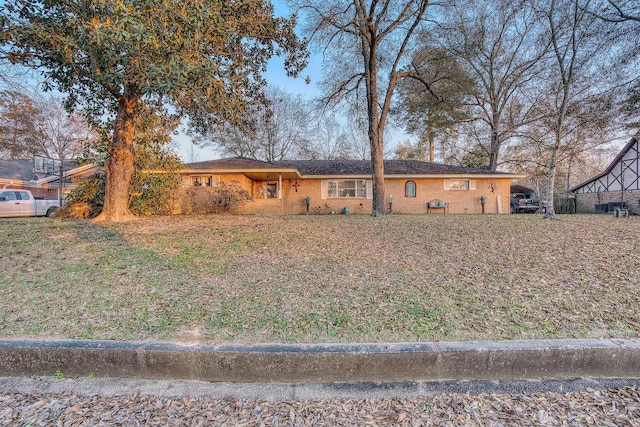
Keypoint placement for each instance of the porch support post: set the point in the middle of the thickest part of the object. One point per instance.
(279, 186)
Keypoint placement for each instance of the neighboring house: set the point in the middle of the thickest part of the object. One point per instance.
(42, 181)
(411, 187)
(619, 182)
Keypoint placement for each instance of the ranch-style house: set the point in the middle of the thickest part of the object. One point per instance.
(345, 186)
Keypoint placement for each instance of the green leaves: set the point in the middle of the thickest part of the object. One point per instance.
(204, 57)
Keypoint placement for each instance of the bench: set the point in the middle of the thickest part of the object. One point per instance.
(437, 204)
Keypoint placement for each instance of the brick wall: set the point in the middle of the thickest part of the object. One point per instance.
(459, 201)
(586, 202)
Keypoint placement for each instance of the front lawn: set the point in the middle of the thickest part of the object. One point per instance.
(321, 278)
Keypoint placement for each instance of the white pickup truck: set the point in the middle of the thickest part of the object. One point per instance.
(22, 203)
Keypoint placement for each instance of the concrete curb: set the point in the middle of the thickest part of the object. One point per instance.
(286, 363)
(302, 391)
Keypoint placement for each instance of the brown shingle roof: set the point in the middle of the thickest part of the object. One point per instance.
(21, 170)
(230, 163)
(391, 167)
(341, 167)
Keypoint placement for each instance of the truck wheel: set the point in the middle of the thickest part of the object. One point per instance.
(50, 212)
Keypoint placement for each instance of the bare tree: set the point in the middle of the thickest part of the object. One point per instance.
(625, 15)
(274, 132)
(233, 141)
(578, 86)
(192, 153)
(497, 41)
(31, 125)
(379, 33)
(62, 136)
(615, 10)
(329, 141)
(18, 133)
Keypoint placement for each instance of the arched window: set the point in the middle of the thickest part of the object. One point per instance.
(410, 189)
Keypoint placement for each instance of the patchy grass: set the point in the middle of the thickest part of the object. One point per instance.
(321, 278)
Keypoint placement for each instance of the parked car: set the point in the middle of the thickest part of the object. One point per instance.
(520, 202)
(22, 203)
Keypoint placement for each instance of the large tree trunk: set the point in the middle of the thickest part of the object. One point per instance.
(551, 176)
(378, 207)
(376, 142)
(119, 166)
(432, 146)
(495, 145)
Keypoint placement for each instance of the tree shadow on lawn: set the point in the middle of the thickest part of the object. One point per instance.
(213, 279)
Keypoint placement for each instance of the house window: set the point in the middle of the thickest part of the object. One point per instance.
(410, 189)
(460, 184)
(205, 181)
(348, 188)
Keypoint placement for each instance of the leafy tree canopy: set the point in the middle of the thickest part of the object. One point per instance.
(203, 57)
(477, 158)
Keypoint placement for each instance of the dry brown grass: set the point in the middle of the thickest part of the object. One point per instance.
(322, 278)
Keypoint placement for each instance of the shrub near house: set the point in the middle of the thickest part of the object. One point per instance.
(200, 199)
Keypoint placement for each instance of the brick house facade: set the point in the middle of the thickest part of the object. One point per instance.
(338, 186)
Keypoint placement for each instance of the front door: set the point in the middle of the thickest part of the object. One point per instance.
(272, 191)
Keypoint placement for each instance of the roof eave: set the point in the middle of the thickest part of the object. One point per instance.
(70, 172)
(14, 181)
(417, 176)
(237, 170)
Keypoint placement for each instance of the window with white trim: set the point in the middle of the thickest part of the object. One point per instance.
(205, 180)
(347, 188)
(459, 184)
(410, 189)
